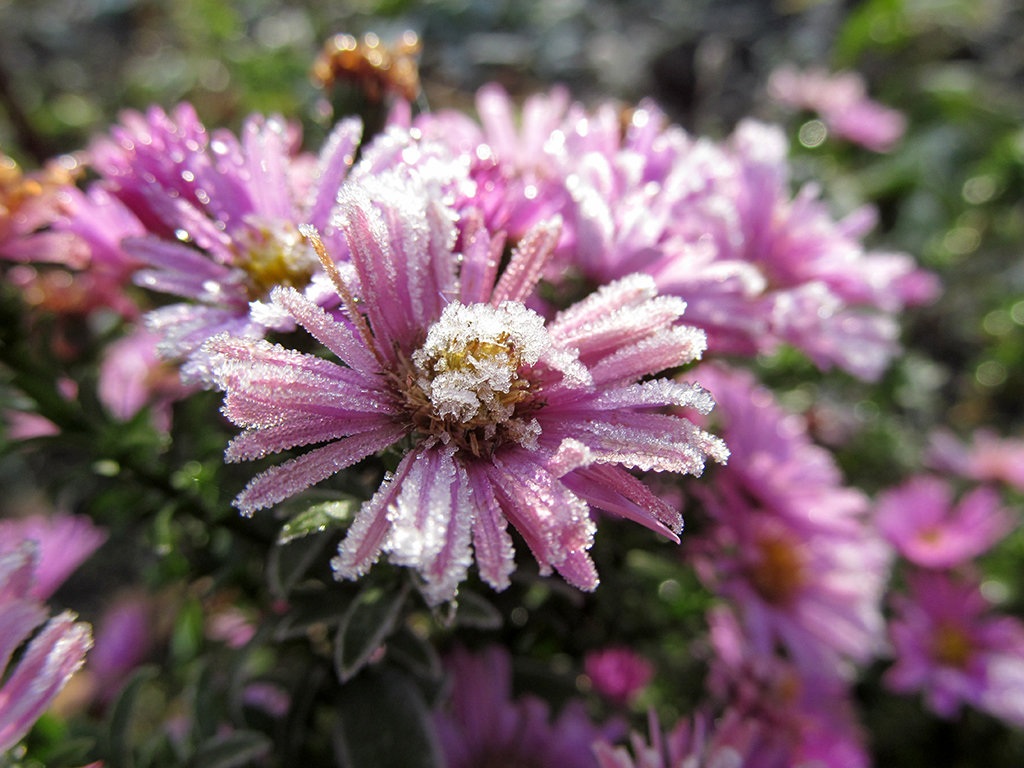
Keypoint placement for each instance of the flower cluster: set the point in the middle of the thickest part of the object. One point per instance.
(442, 344)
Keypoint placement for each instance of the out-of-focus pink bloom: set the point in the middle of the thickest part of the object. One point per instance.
(713, 223)
(949, 646)
(64, 542)
(230, 625)
(920, 520)
(987, 458)
(481, 725)
(268, 697)
(801, 718)
(133, 376)
(510, 419)
(25, 425)
(52, 656)
(790, 545)
(842, 101)
(31, 202)
(123, 639)
(618, 674)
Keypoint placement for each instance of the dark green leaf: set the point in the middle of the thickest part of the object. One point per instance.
(476, 612)
(122, 713)
(414, 653)
(288, 563)
(367, 622)
(383, 722)
(232, 750)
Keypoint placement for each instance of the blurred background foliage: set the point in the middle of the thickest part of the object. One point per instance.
(952, 194)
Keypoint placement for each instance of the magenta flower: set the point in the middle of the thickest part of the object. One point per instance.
(221, 215)
(790, 545)
(619, 674)
(505, 418)
(842, 101)
(713, 223)
(920, 520)
(133, 376)
(949, 646)
(124, 637)
(63, 543)
(52, 656)
(790, 716)
(482, 725)
(987, 457)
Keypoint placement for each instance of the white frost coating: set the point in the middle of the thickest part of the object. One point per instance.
(469, 363)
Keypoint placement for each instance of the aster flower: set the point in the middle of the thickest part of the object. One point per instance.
(713, 223)
(618, 673)
(790, 546)
(133, 376)
(987, 457)
(730, 741)
(52, 656)
(219, 217)
(950, 646)
(784, 714)
(503, 418)
(920, 520)
(482, 725)
(842, 101)
(63, 542)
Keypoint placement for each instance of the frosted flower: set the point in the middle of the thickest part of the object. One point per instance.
(714, 223)
(504, 418)
(842, 101)
(219, 217)
(50, 658)
(481, 724)
(952, 648)
(790, 545)
(920, 520)
(63, 542)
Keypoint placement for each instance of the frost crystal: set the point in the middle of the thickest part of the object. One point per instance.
(470, 365)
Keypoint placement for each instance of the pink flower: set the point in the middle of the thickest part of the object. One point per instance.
(987, 458)
(482, 725)
(124, 637)
(218, 216)
(618, 674)
(134, 376)
(919, 519)
(507, 419)
(52, 656)
(63, 543)
(713, 223)
(841, 100)
(790, 545)
(949, 646)
(797, 717)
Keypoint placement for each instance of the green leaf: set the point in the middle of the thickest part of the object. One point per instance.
(383, 722)
(122, 715)
(415, 653)
(318, 518)
(287, 564)
(366, 623)
(476, 612)
(231, 750)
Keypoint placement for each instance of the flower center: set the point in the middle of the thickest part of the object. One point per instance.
(469, 380)
(778, 572)
(275, 254)
(951, 646)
